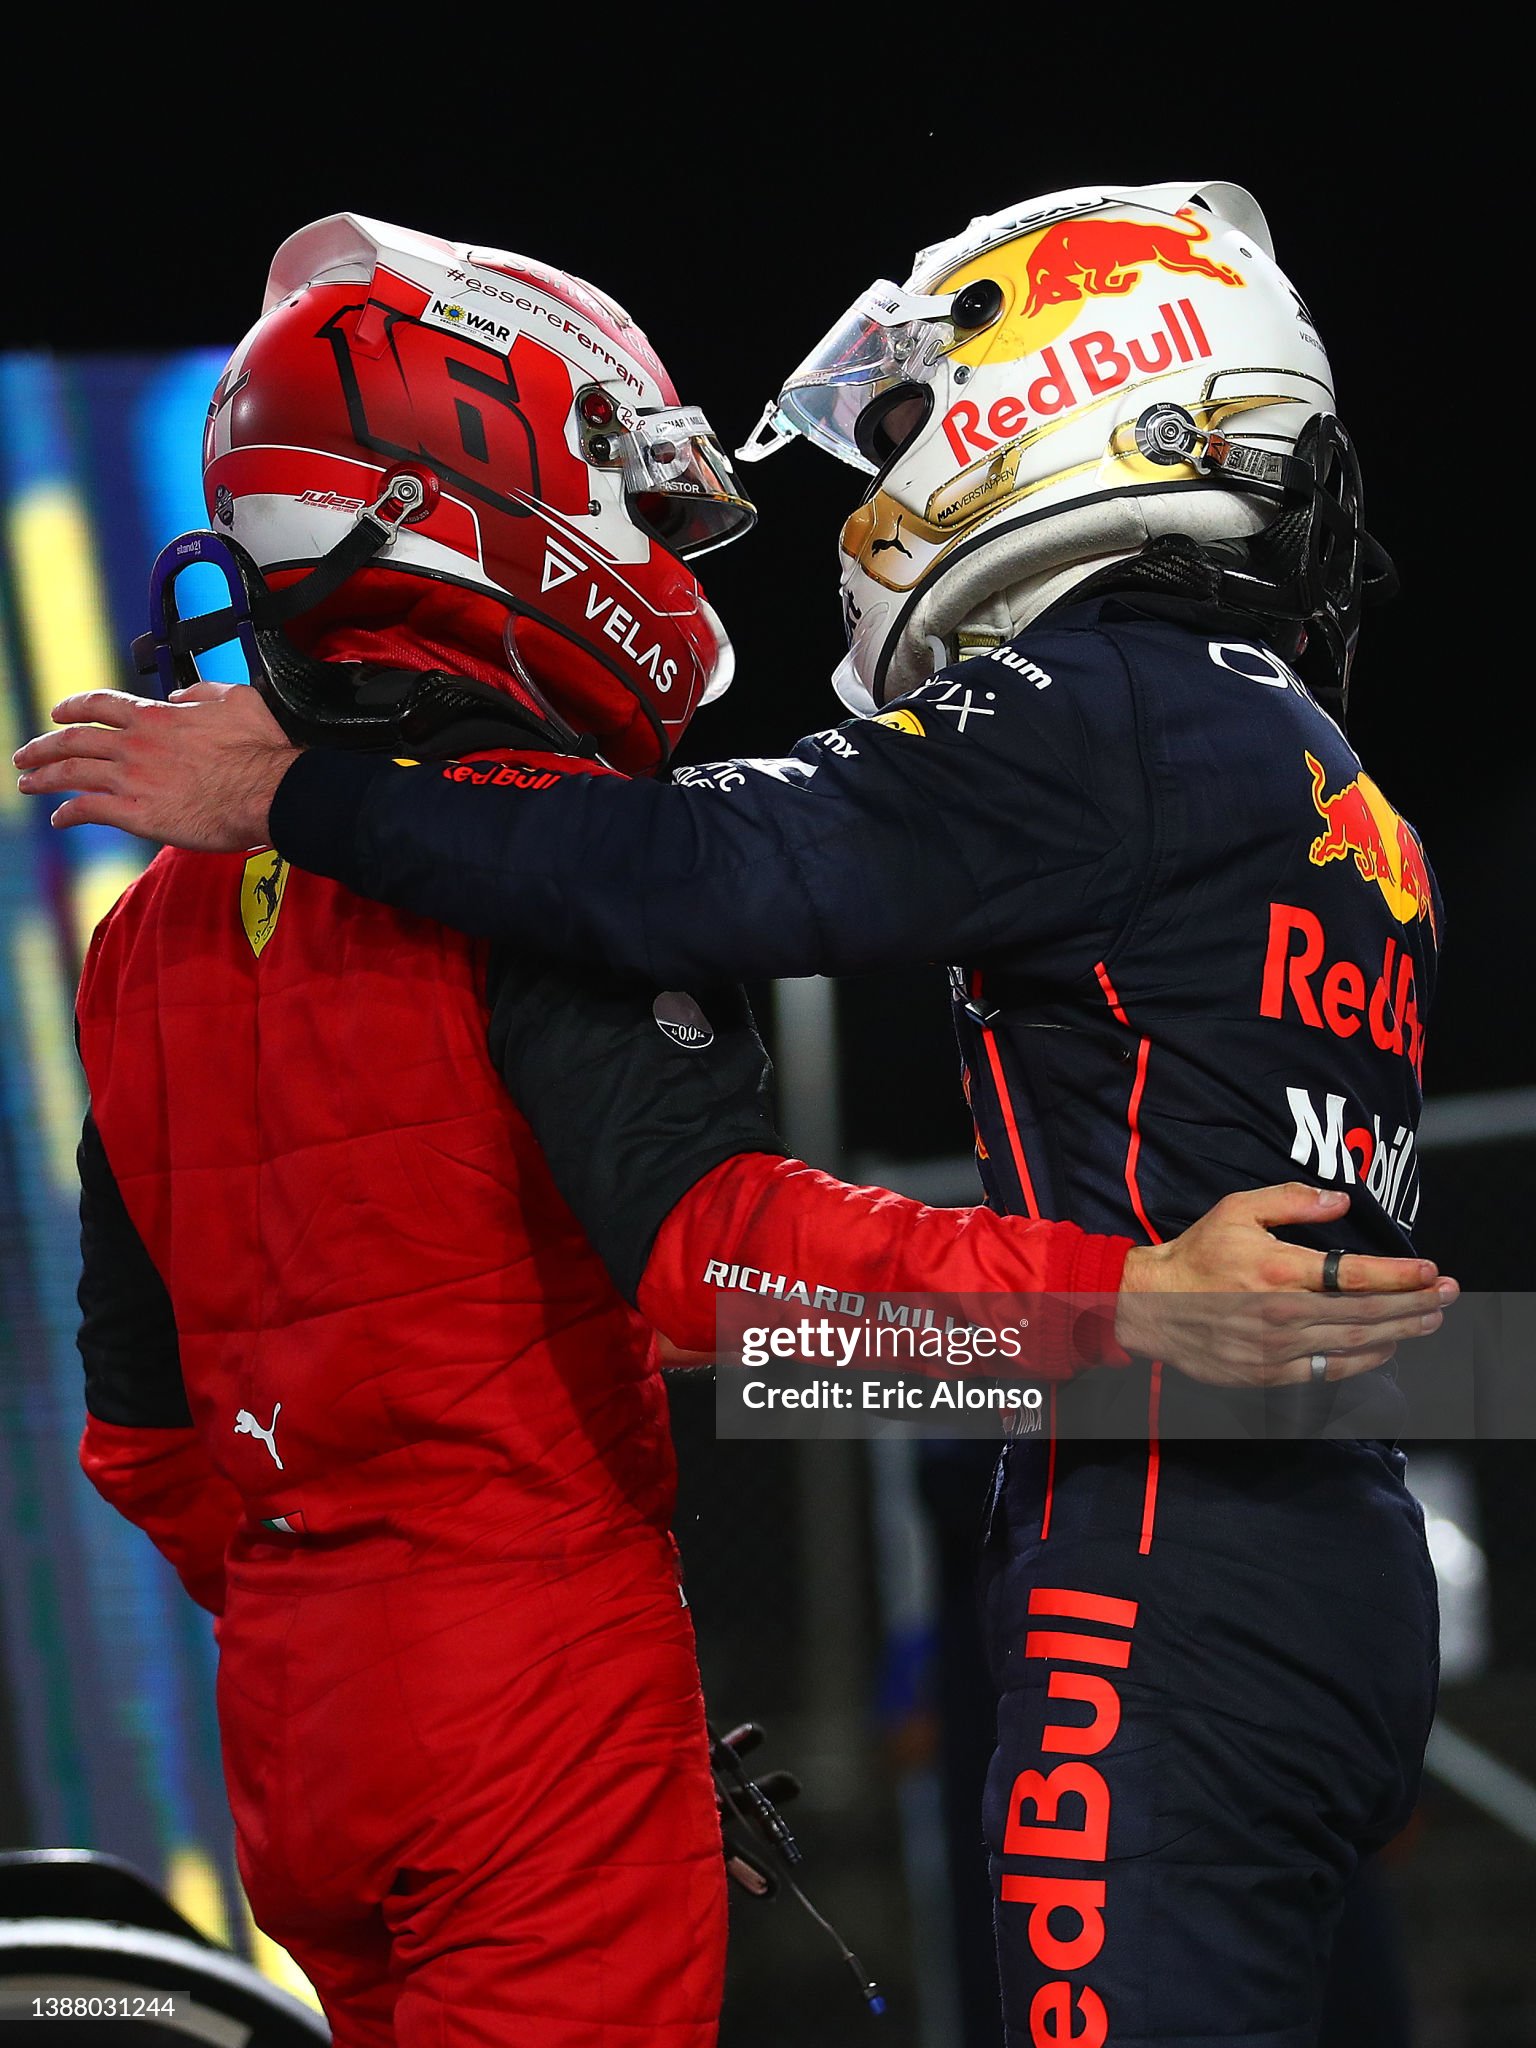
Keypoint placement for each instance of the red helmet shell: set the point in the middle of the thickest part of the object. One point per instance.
(382, 349)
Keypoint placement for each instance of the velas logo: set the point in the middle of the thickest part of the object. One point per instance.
(560, 565)
(622, 625)
(1362, 826)
(1059, 378)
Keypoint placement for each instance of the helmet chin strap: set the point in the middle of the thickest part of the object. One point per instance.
(576, 741)
(369, 706)
(405, 497)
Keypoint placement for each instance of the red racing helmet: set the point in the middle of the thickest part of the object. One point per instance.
(522, 443)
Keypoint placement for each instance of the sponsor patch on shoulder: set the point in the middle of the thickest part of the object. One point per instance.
(679, 1018)
(901, 721)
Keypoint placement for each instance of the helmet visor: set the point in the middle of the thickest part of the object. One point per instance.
(679, 483)
(889, 335)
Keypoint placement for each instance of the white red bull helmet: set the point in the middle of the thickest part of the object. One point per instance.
(1064, 386)
(517, 437)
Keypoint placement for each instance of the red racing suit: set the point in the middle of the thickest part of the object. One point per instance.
(353, 1365)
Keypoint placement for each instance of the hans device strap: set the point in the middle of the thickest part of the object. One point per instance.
(348, 704)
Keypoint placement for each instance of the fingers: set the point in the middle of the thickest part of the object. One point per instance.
(202, 693)
(75, 743)
(1360, 1348)
(1359, 1274)
(99, 776)
(1332, 1313)
(1352, 1350)
(101, 707)
(122, 811)
(1321, 1309)
(1369, 1331)
(1290, 1265)
(1341, 1366)
(1291, 1202)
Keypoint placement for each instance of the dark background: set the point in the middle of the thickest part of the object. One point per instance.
(735, 186)
(735, 189)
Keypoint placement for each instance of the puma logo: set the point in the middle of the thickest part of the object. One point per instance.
(895, 541)
(247, 1425)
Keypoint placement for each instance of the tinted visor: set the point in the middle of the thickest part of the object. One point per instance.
(890, 336)
(679, 484)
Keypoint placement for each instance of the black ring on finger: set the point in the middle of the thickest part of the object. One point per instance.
(1331, 1263)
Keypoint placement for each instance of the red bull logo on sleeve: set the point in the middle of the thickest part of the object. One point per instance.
(1362, 826)
(1080, 259)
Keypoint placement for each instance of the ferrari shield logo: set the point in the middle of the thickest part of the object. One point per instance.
(261, 896)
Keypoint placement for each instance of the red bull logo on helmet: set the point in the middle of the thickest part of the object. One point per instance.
(1089, 258)
(1042, 343)
(1362, 826)
(1087, 367)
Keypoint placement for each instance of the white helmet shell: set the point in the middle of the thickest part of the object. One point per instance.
(1025, 365)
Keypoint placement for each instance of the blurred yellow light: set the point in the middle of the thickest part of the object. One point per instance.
(197, 1893)
(277, 1966)
(48, 1024)
(59, 593)
(12, 803)
(95, 889)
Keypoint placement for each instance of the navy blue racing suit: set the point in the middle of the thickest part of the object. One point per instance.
(1192, 947)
